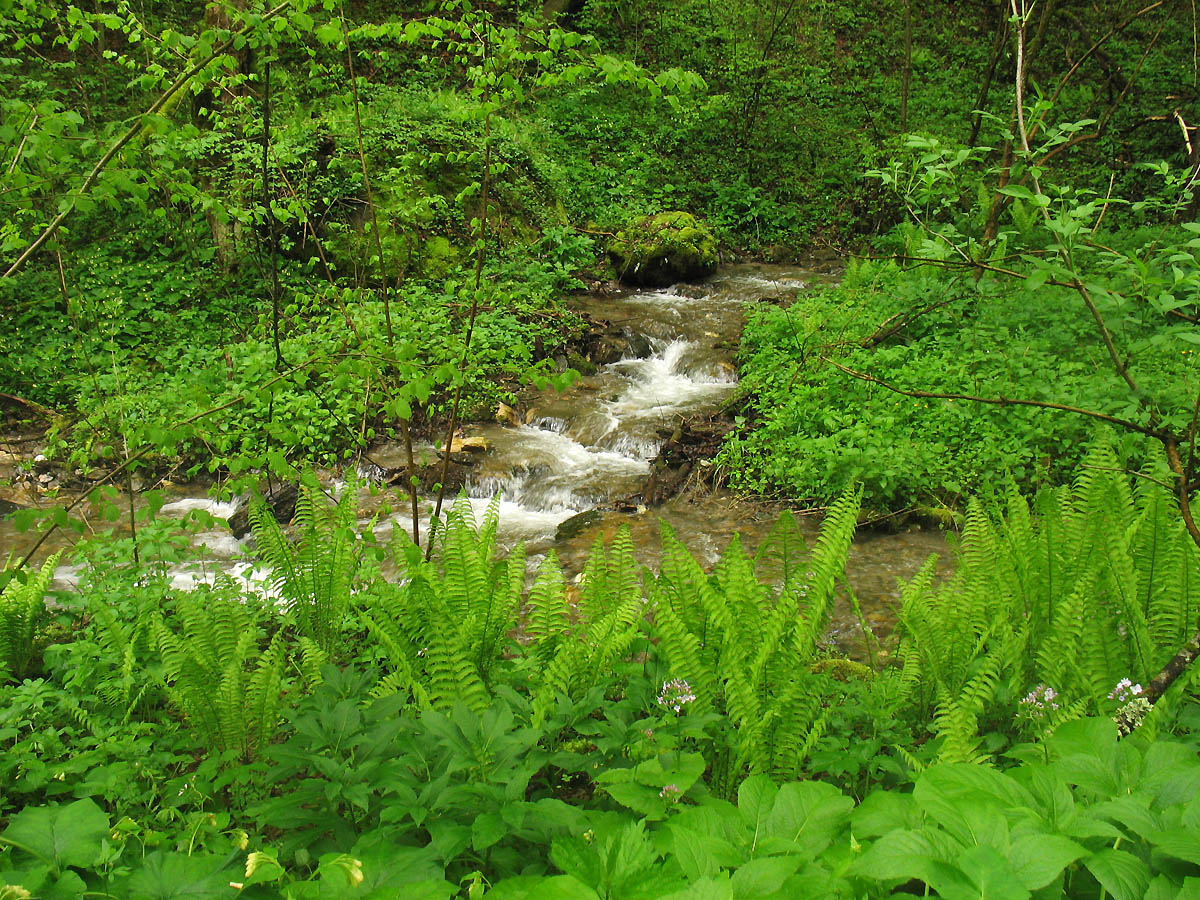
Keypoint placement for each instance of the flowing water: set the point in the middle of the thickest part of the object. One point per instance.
(590, 448)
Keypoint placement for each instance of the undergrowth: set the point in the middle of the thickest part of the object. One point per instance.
(466, 729)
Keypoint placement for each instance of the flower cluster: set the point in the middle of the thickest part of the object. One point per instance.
(670, 792)
(1125, 691)
(675, 695)
(1038, 702)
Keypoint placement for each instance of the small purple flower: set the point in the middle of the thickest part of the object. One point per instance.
(1125, 691)
(1038, 702)
(675, 695)
(670, 792)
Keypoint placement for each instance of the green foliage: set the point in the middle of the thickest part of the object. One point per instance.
(444, 630)
(458, 732)
(748, 651)
(600, 754)
(812, 430)
(610, 610)
(1100, 585)
(22, 607)
(315, 569)
(1083, 814)
(219, 676)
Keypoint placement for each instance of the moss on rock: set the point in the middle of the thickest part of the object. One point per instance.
(655, 251)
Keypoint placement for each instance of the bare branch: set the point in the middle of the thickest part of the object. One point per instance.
(1002, 401)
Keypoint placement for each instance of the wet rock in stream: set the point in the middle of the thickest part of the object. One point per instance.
(282, 501)
(691, 443)
(430, 476)
(576, 525)
(604, 343)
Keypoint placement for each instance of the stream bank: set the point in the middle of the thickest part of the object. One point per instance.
(629, 444)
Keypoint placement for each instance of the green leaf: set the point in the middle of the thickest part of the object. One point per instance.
(808, 814)
(1017, 190)
(714, 888)
(1181, 843)
(756, 796)
(761, 877)
(1162, 888)
(969, 801)
(487, 830)
(1037, 859)
(1036, 278)
(557, 887)
(901, 855)
(574, 856)
(1121, 874)
(690, 853)
(988, 877)
(165, 876)
(62, 836)
(884, 811)
(641, 799)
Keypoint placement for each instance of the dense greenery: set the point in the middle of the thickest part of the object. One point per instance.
(337, 734)
(252, 239)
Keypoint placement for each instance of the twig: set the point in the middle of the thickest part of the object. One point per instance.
(32, 404)
(25, 137)
(484, 198)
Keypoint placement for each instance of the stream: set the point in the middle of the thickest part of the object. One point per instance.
(588, 450)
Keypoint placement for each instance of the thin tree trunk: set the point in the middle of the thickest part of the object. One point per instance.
(906, 76)
(383, 284)
(999, 42)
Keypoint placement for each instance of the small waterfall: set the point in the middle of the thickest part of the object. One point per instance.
(595, 446)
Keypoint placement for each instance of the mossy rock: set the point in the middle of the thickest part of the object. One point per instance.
(655, 251)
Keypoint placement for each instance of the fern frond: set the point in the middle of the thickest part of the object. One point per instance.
(309, 662)
(548, 616)
(261, 697)
(780, 558)
(315, 572)
(22, 605)
(227, 689)
(827, 563)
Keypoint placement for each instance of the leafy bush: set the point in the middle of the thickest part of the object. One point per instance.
(811, 429)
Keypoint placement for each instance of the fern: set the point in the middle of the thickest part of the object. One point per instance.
(1096, 583)
(611, 610)
(315, 570)
(127, 681)
(747, 647)
(547, 617)
(228, 688)
(446, 628)
(22, 605)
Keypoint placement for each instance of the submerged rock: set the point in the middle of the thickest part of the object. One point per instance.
(603, 344)
(577, 524)
(655, 251)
